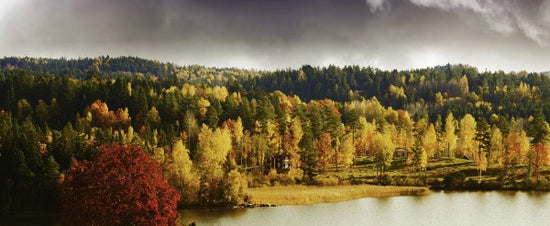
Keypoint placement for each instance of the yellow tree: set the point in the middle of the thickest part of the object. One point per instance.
(541, 157)
(466, 141)
(346, 155)
(274, 140)
(291, 144)
(247, 149)
(324, 150)
(374, 110)
(214, 147)
(237, 133)
(422, 159)
(405, 130)
(463, 84)
(429, 141)
(366, 135)
(182, 173)
(516, 146)
(158, 154)
(260, 146)
(481, 163)
(383, 151)
(496, 146)
(100, 113)
(391, 130)
(203, 107)
(153, 118)
(236, 128)
(220, 143)
(449, 136)
(525, 146)
(235, 187)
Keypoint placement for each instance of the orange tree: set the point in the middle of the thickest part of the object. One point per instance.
(121, 186)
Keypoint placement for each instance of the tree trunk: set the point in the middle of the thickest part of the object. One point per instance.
(479, 174)
(448, 151)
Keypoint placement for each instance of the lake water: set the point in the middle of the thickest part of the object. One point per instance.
(438, 208)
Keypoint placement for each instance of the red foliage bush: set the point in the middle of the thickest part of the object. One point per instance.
(121, 186)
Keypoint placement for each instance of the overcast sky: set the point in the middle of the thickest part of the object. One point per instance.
(269, 34)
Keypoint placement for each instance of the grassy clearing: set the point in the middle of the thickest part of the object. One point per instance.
(362, 180)
(305, 195)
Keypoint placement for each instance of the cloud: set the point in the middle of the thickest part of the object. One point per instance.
(504, 16)
(267, 34)
(376, 5)
(530, 17)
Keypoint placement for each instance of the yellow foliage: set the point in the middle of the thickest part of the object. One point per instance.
(438, 99)
(182, 173)
(383, 149)
(423, 159)
(214, 147)
(481, 162)
(346, 155)
(188, 90)
(237, 185)
(467, 144)
(397, 92)
(374, 110)
(294, 150)
(429, 141)
(324, 150)
(366, 134)
(220, 93)
(203, 106)
(516, 147)
(496, 148)
(391, 116)
(449, 136)
(158, 154)
(463, 84)
(236, 97)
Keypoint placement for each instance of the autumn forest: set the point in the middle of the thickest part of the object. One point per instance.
(215, 132)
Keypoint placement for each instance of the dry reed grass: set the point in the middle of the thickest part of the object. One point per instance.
(305, 195)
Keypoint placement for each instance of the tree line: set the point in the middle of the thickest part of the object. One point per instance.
(215, 132)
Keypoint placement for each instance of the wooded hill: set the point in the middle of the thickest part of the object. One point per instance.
(216, 131)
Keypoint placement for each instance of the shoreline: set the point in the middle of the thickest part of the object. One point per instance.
(308, 195)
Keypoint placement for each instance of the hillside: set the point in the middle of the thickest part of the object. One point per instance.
(218, 131)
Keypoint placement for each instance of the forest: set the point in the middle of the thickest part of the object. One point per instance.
(217, 131)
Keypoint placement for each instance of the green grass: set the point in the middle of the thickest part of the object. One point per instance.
(362, 180)
(364, 171)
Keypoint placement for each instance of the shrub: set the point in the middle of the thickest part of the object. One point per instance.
(454, 180)
(542, 183)
(422, 180)
(276, 179)
(384, 180)
(472, 184)
(326, 180)
(257, 181)
(235, 187)
(296, 174)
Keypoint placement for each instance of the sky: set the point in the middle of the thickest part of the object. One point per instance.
(508, 35)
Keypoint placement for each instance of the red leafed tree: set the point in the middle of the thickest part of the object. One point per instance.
(541, 158)
(121, 186)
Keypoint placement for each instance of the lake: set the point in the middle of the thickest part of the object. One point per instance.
(437, 208)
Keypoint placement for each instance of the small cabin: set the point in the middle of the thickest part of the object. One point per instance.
(400, 153)
(282, 163)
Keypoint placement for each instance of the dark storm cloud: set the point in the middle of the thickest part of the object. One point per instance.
(508, 34)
